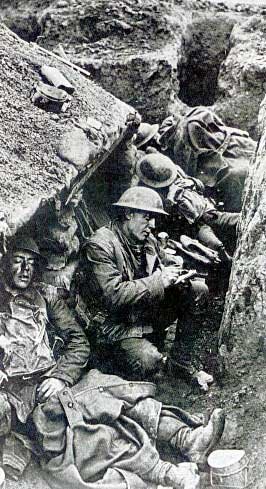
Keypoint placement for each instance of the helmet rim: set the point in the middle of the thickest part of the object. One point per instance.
(154, 128)
(133, 198)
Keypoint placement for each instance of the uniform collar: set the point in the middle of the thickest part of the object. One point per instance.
(147, 249)
(30, 294)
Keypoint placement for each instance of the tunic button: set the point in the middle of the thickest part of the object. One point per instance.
(70, 404)
(64, 393)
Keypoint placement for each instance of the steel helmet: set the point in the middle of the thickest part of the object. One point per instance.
(143, 199)
(145, 133)
(26, 243)
(157, 170)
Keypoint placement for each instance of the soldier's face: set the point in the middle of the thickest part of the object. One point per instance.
(22, 268)
(140, 225)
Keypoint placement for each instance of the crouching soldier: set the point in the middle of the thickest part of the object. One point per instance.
(137, 293)
(29, 372)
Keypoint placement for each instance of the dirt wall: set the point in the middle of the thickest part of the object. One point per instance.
(205, 49)
(33, 158)
(242, 82)
(243, 330)
(132, 49)
(159, 57)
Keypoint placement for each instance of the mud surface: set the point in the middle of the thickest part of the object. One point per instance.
(204, 53)
(30, 166)
(157, 57)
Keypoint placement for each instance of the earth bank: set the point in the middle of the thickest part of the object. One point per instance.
(157, 56)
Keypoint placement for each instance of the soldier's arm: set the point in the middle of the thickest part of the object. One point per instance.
(109, 283)
(207, 236)
(227, 221)
(76, 347)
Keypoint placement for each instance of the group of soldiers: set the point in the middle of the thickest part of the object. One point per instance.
(138, 285)
(83, 401)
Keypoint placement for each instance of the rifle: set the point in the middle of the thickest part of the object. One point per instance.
(132, 124)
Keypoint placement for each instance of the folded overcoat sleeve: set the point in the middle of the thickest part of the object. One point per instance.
(76, 350)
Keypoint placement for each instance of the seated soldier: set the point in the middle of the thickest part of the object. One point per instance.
(81, 435)
(136, 294)
(29, 372)
(215, 229)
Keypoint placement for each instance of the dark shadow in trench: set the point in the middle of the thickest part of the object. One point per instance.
(205, 47)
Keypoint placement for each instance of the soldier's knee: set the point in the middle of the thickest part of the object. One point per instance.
(151, 359)
(144, 361)
(5, 415)
(200, 292)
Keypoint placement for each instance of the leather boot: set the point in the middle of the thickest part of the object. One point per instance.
(196, 444)
(181, 476)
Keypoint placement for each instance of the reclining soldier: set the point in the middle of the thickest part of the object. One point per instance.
(208, 149)
(44, 404)
(185, 198)
(105, 433)
(29, 372)
(136, 294)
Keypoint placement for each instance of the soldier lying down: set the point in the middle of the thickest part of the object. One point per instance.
(95, 431)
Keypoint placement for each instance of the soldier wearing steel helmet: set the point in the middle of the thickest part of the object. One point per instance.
(30, 370)
(134, 290)
(146, 135)
(207, 148)
(185, 198)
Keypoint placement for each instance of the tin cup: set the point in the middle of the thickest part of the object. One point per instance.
(229, 469)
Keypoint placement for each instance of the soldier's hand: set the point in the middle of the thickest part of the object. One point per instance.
(132, 123)
(224, 256)
(191, 475)
(170, 275)
(133, 118)
(49, 387)
(184, 475)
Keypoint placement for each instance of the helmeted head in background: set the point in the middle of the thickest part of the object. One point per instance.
(158, 171)
(140, 205)
(167, 131)
(146, 132)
